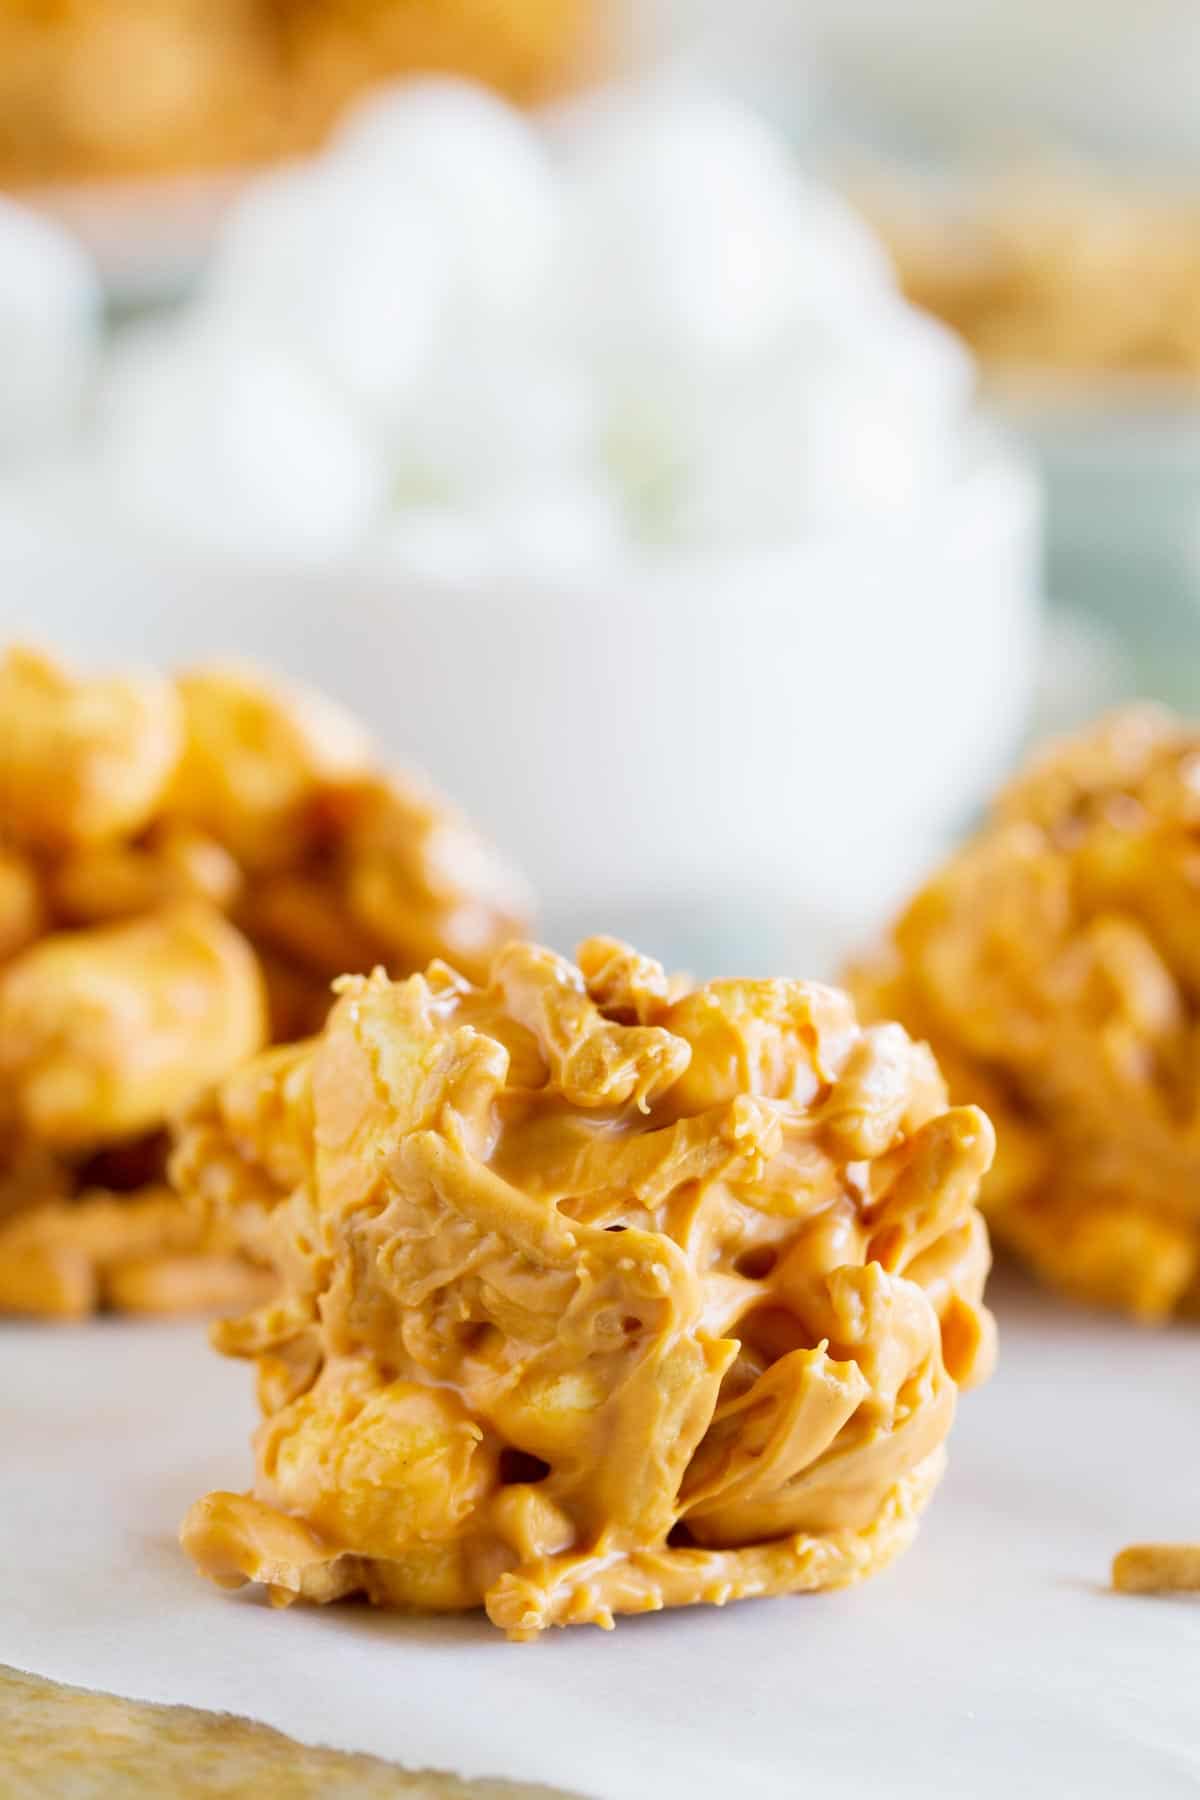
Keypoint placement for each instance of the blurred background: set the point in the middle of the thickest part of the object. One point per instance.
(709, 440)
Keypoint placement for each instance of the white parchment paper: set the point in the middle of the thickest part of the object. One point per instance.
(989, 1662)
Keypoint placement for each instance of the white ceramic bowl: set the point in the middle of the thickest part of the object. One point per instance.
(723, 742)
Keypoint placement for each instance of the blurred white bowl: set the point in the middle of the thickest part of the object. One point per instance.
(712, 736)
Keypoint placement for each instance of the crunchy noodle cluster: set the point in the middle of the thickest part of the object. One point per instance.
(184, 866)
(1054, 966)
(113, 87)
(1056, 269)
(599, 1295)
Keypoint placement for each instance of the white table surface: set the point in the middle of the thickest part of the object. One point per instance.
(991, 1661)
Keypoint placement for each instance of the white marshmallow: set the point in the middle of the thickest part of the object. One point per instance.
(921, 361)
(482, 168)
(662, 331)
(50, 308)
(858, 423)
(489, 411)
(225, 439)
(686, 227)
(351, 275)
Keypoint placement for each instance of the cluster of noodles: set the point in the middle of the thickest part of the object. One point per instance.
(184, 866)
(1054, 966)
(113, 87)
(598, 1293)
(117, 87)
(1055, 269)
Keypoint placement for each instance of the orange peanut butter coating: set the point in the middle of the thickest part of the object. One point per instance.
(597, 1295)
(184, 866)
(95, 90)
(82, 761)
(1054, 966)
(105, 1033)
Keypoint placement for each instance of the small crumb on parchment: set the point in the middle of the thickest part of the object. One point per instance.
(1157, 1569)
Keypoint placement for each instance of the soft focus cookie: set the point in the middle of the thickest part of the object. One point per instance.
(1054, 269)
(1054, 966)
(105, 1033)
(94, 88)
(597, 1294)
(82, 760)
(184, 866)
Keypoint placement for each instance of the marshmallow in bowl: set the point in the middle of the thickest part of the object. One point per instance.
(343, 274)
(483, 169)
(435, 201)
(633, 320)
(219, 437)
(490, 409)
(49, 331)
(841, 421)
(687, 226)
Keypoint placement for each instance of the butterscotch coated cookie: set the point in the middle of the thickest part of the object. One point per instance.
(184, 866)
(597, 1293)
(1054, 270)
(103, 88)
(1054, 965)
